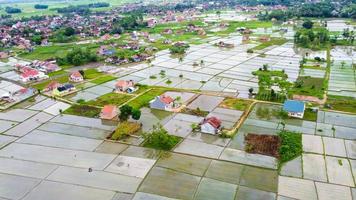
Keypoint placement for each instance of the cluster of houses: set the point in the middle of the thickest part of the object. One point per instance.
(55, 88)
(36, 70)
(16, 96)
(171, 16)
(18, 34)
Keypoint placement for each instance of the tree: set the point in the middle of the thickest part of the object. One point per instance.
(160, 139)
(125, 112)
(11, 10)
(218, 13)
(69, 31)
(308, 24)
(40, 6)
(82, 72)
(265, 67)
(136, 114)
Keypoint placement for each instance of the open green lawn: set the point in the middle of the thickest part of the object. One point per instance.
(103, 79)
(57, 73)
(42, 85)
(110, 99)
(237, 104)
(309, 86)
(53, 51)
(83, 110)
(247, 24)
(273, 41)
(28, 9)
(309, 115)
(144, 99)
(92, 73)
(341, 103)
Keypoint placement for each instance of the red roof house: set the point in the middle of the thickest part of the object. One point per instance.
(76, 77)
(109, 112)
(125, 86)
(210, 125)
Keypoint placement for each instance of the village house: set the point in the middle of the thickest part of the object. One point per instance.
(109, 112)
(125, 86)
(264, 38)
(45, 66)
(52, 86)
(28, 74)
(11, 97)
(210, 125)
(106, 51)
(64, 90)
(76, 77)
(294, 108)
(164, 102)
(151, 23)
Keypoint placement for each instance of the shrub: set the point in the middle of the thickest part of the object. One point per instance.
(136, 114)
(160, 139)
(40, 6)
(125, 129)
(291, 146)
(11, 10)
(125, 112)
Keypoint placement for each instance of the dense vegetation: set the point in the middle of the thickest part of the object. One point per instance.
(310, 9)
(291, 146)
(128, 23)
(179, 49)
(40, 6)
(82, 9)
(12, 10)
(312, 38)
(160, 139)
(125, 129)
(77, 56)
(273, 84)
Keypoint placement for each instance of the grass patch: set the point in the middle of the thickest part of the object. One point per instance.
(341, 103)
(160, 139)
(250, 24)
(110, 99)
(53, 51)
(83, 110)
(273, 41)
(237, 104)
(291, 146)
(309, 86)
(310, 115)
(103, 79)
(125, 129)
(196, 112)
(42, 85)
(91, 73)
(160, 114)
(57, 73)
(144, 99)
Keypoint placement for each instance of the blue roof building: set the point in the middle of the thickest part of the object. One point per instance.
(294, 108)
